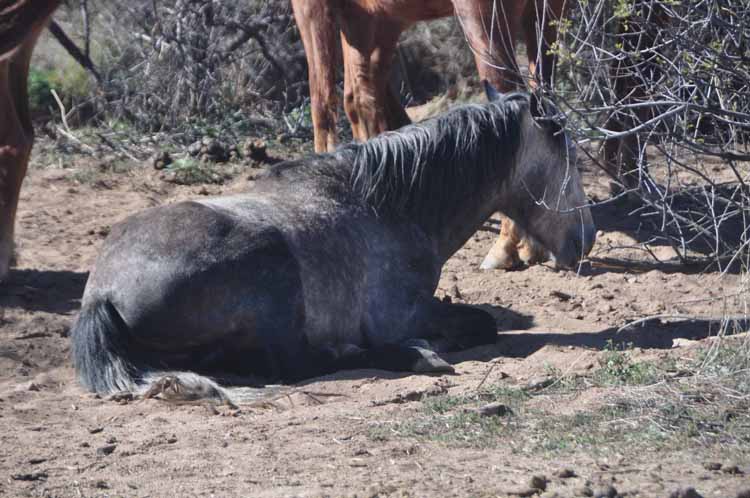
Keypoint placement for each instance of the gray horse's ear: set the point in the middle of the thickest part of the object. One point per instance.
(536, 107)
(492, 94)
(545, 114)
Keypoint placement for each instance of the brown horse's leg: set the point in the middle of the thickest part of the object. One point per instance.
(492, 34)
(491, 28)
(370, 105)
(317, 25)
(504, 252)
(541, 68)
(350, 90)
(16, 140)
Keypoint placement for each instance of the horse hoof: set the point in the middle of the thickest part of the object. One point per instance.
(492, 262)
(430, 362)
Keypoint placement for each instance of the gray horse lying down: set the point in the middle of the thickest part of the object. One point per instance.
(328, 262)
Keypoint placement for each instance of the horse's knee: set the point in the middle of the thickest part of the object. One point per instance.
(502, 255)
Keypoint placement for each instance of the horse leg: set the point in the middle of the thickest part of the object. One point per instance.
(350, 96)
(16, 140)
(504, 252)
(394, 357)
(491, 29)
(370, 105)
(457, 326)
(317, 25)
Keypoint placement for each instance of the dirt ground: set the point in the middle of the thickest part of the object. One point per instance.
(579, 405)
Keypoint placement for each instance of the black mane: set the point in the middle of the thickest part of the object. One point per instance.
(442, 159)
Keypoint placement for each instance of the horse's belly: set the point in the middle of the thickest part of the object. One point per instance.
(411, 11)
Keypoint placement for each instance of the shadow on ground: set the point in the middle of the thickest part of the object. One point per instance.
(43, 290)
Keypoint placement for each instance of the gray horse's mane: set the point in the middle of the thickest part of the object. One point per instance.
(439, 160)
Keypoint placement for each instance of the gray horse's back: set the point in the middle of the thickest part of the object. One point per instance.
(196, 285)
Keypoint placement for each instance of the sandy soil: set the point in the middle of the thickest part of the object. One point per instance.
(349, 434)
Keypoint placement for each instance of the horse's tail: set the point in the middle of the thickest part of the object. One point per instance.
(106, 363)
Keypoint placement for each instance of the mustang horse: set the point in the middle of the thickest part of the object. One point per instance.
(327, 262)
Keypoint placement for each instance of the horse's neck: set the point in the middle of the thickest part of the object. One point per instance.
(455, 223)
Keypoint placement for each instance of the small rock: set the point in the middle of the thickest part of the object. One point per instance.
(106, 450)
(731, 469)
(32, 476)
(565, 473)
(161, 160)
(539, 482)
(712, 465)
(584, 491)
(493, 410)
(606, 308)
(100, 485)
(96, 430)
(606, 492)
(688, 492)
(36, 461)
(562, 296)
(111, 440)
(195, 148)
(538, 383)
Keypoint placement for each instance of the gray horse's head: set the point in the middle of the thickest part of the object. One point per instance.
(545, 194)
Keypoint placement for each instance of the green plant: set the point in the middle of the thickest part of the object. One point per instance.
(39, 87)
(618, 368)
(187, 171)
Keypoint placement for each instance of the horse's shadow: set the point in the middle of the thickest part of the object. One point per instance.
(652, 334)
(519, 344)
(51, 291)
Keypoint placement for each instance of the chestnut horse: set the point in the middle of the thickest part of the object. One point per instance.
(21, 22)
(369, 32)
